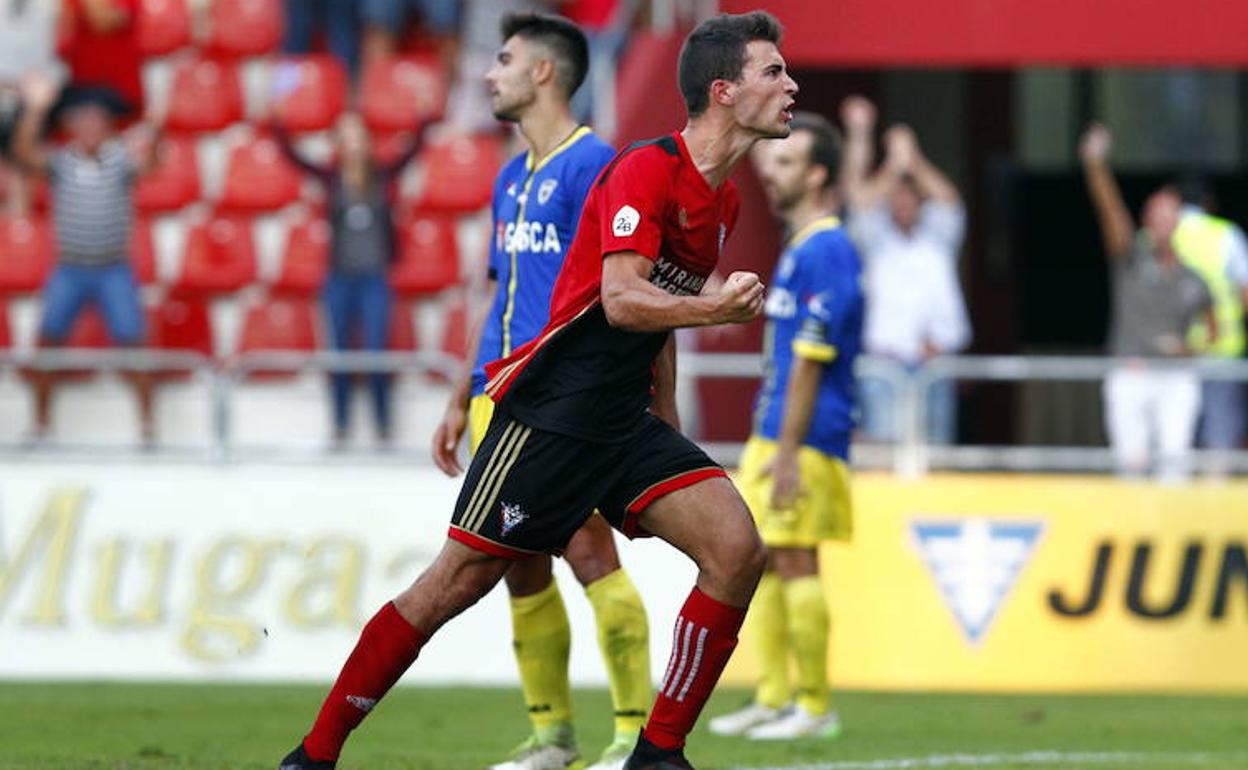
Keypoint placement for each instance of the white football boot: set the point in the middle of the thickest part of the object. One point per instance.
(741, 721)
(797, 723)
(532, 755)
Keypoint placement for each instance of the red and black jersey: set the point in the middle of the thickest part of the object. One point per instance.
(581, 376)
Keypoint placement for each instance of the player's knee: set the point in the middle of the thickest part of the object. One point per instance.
(739, 555)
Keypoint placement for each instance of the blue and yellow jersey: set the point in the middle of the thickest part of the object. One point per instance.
(814, 310)
(536, 207)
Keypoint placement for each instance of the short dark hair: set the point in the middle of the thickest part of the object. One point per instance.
(825, 146)
(715, 50)
(565, 40)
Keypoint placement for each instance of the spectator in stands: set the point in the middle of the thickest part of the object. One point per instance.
(338, 19)
(102, 48)
(606, 39)
(363, 245)
(27, 44)
(1156, 299)
(908, 222)
(92, 182)
(385, 22)
(1216, 249)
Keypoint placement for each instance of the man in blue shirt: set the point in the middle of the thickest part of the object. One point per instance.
(794, 472)
(536, 206)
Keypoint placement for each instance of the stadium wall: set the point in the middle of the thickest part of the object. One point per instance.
(265, 573)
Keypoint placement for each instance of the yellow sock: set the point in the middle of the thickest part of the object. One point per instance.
(808, 639)
(624, 638)
(766, 625)
(542, 642)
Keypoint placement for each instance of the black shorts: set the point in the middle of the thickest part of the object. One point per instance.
(528, 490)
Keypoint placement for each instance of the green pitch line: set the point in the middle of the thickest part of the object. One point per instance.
(211, 727)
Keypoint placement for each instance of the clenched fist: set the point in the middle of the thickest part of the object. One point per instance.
(740, 298)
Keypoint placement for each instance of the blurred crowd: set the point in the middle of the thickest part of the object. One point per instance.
(106, 107)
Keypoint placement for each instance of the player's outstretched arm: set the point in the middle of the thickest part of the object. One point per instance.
(634, 304)
(455, 418)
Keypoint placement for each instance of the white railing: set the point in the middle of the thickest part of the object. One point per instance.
(911, 455)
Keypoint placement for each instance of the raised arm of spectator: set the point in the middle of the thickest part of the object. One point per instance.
(931, 181)
(857, 186)
(410, 150)
(286, 144)
(1112, 215)
(39, 93)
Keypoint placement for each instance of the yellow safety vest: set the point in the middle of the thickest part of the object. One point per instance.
(1201, 241)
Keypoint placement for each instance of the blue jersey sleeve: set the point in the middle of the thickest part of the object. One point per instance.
(827, 295)
(592, 163)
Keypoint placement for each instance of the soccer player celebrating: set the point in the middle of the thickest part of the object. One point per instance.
(537, 201)
(572, 430)
(793, 472)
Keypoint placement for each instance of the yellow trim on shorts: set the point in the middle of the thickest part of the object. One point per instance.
(480, 412)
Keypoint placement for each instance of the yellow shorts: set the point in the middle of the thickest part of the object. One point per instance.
(824, 512)
(480, 412)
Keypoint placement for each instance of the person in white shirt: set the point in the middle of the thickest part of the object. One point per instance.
(908, 221)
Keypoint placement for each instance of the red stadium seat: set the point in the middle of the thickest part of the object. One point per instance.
(143, 252)
(175, 181)
(206, 96)
(310, 92)
(220, 256)
(460, 173)
(258, 177)
(89, 332)
(402, 331)
(402, 93)
(164, 26)
(278, 324)
(305, 260)
(244, 27)
(6, 336)
(456, 327)
(26, 246)
(179, 324)
(428, 256)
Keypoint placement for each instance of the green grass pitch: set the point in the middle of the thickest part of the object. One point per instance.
(249, 727)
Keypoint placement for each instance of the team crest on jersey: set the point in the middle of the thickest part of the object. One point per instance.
(513, 516)
(511, 189)
(975, 563)
(546, 190)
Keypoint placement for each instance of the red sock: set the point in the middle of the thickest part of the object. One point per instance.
(706, 635)
(387, 646)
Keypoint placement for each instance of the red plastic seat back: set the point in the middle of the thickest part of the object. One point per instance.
(278, 324)
(206, 96)
(460, 173)
(220, 256)
(244, 27)
(428, 256)
(258, 177)
(174, 182)
(6, 335)
(305, 260)
(143, 252)
(402, 93)
(26, 246)
(180, 324)
(310, 92)
(164, 26)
